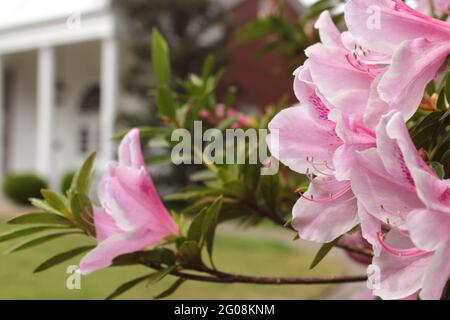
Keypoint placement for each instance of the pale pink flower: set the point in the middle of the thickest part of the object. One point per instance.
(319, 136)
(418, 44)
(397, 191)
(132, 216)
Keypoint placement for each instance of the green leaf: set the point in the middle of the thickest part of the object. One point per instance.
(207, 66)
(39, 240)
(196, 227)
(41, 204)
(160, 58)
(62, 257)
(170, 290)
(438, 168)
(447, 88)
(82, 178)
(56, 201)
(440, 104)
(445, 160)
(323, 251)
(126, 286)
(190, 254)
(166, 102)
(41, 218)
(161, 256)
(23, 232)
(83, 211)
(162, 159)
(159, 275)
(210, 224)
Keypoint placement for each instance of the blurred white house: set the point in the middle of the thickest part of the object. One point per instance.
(60, 65)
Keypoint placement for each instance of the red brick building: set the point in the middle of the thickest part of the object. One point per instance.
(260, 81)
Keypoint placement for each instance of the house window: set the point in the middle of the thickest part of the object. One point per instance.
(90, 102)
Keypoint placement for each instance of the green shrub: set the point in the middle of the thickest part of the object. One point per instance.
(66, 180)
(19, 187)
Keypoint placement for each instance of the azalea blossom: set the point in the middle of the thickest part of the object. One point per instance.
(418, 44)
(132, 216)
(318, 136)
(414, 252)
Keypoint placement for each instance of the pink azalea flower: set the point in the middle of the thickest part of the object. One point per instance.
(306, 139)
(132, 216)
(415, 253)
(319, 136)
(418, 44)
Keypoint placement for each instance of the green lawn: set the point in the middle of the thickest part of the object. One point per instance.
(233, 253)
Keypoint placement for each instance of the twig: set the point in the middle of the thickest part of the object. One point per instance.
(223, 277)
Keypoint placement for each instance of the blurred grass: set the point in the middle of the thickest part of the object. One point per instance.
(233, 253)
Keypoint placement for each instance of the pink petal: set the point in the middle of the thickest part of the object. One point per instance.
(325, 221)
(130, 153)
(438, 274)
(433, 192)
(374, 187)
(297, 137)
(329, 33)
(400, 277)
(105, 226)
(398, 23)
(116, 245)
(397, 149)
(344, 86)
(413, 66)
(370, 226)
(429, 229)
(131, 198)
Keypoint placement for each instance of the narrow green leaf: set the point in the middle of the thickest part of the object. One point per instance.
(196, 227)
(190, 254)
(166, 102)
(447, 88)
(126, 286)
(56, 201)
(159, 275)
(210, 224)
(40, 218)
(438, 168)
(160, 58)
(323, 251)
(39, 240)
(82, 179)
(207, 66)
(158, 160)
(41, 204)
(14, 234)
(83, 211)
(62, 257)
(170, 290)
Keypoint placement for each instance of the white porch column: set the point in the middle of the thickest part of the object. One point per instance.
(108, 99)
(45, 110)
(2, 117)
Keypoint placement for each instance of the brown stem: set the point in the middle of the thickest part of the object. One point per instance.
(223, 277)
